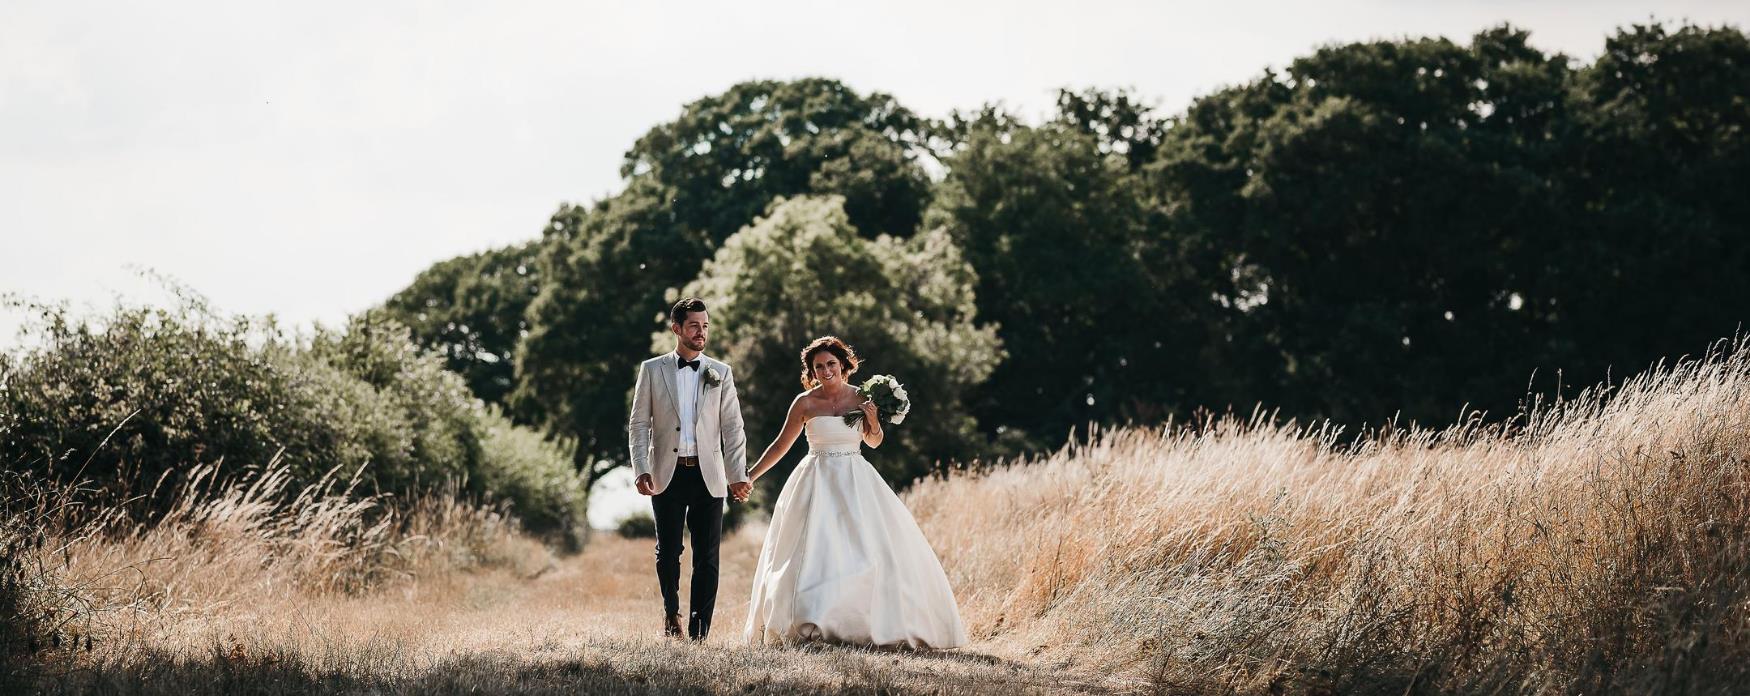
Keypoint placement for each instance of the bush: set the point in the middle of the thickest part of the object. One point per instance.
(907, 306)
(638, 525)
(536, 476)
(134, 400)
(155, 387)
(435, 423)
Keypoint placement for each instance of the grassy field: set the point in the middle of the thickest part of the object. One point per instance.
(583, 624)
(231, 594)
(1600, 545)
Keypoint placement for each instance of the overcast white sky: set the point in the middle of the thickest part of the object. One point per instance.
(308, 158)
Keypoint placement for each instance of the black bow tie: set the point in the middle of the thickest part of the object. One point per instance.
(687, 363)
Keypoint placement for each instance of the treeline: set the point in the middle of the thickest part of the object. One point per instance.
(128, 404)
(1383, 230)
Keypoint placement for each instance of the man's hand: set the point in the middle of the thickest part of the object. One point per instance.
(646, 485)
(739, 491)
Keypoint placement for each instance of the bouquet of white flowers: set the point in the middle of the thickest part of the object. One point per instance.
(891, 402)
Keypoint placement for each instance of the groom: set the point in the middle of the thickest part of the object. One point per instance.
(689, 452)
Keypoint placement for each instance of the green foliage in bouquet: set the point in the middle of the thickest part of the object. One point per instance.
(891, 402)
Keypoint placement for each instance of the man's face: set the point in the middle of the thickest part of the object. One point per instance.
(692, 330)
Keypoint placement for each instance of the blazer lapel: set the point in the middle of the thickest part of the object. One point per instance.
(669, 368)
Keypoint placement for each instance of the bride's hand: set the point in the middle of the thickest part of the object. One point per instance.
(870, 417)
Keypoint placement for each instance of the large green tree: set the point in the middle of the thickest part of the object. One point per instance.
(1380, 229)
(906, 306)
(607, 271)
(728, 155)
(1397, 228)
(470, 309)
(1655, 261)
(1368, 210)
(1121, 123)
(1091, 303)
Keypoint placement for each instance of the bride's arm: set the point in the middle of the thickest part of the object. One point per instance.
(781, 446)
(872, 435)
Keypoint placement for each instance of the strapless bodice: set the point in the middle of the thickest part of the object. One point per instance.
(829, 435)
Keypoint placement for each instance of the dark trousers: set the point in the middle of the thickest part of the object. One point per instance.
(686, 501)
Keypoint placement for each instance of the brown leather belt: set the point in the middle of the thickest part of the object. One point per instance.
(687, 461)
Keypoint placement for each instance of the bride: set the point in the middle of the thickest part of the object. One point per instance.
(843, 560)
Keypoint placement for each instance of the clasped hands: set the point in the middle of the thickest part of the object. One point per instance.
(737, 491)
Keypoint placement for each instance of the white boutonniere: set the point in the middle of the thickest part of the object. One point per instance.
(712, 378)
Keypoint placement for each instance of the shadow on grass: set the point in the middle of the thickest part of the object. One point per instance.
(818, 647)
(600, 669)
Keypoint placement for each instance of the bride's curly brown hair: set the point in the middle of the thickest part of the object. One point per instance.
(829, 344)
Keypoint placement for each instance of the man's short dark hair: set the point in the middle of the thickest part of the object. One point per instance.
(678, 313)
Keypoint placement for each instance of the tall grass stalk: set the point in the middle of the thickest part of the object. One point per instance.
(1597, 544)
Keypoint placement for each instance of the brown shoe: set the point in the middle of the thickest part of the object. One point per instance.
(671, 626)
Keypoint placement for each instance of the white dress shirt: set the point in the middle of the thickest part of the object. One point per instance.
(686, 381)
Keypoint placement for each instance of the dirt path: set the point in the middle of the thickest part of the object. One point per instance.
(585, 624)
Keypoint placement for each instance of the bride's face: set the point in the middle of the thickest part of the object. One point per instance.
(827, 369)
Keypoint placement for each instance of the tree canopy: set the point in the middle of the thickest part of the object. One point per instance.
(906, 306)
(1377, 230)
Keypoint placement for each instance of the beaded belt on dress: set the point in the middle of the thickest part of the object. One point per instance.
(834, 451)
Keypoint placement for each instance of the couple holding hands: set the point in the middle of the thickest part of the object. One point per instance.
(843, 560)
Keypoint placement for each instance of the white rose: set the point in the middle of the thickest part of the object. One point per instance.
(900, 392)
(897, 418)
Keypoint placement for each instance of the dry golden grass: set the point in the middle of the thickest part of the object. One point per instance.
(90, 570)
(588, 625)
(1597, 545)
(232, 592)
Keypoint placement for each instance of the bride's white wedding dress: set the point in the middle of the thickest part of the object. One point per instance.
(843, 559)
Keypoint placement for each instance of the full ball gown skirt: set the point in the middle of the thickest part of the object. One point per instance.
(843, 559)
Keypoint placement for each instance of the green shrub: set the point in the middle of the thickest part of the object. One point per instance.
(157, 388)
(435, 421)
(535, 476)
(638, 525)
(141, 395)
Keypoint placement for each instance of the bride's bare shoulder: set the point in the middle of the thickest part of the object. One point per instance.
(804, 402)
